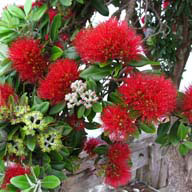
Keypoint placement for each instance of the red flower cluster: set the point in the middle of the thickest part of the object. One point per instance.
(5, 91)
(116, 120)
(77, 124)
(25, 53)
(90, 145)
(119, 152)
(37, 3)
(57, 83)
(13, 171)
(152, 96)
(118, 172)
(166, 3)
(109, 40)
(52, 13)
(187, 104)
(143, 19)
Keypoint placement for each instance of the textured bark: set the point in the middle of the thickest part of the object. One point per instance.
(179, 171)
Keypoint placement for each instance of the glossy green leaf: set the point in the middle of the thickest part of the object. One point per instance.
(66, 3)
(101, 7)
(182, 131)
(50, 182)
(183, 149)
(91, 84)
(97, 107)
(39, 12)
(56, 24)
(31, 142)
(20, 182)
(80, 111)
(71, 53)
(188, 144)
(80, 1)
(27, 6)
(147, 128)
(101, 150)
(96, 73)
(92, 125)
(16, 11)
(42, 107)
(57, 108)
(56, 53)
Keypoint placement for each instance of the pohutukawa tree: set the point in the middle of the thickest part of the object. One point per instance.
(57, 74)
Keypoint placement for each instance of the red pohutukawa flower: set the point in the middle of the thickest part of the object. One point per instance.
(119, 152)
(52, 13)
(26, 55)
(77, 124)
(13, 170)
(90, 145)
(109, 40)
(152, 96)
(5, 91)
(166, 3)
(116, 120)
(57, 83)
(117, 174)
(187, 104)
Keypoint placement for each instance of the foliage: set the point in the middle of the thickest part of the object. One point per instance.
(83, 74)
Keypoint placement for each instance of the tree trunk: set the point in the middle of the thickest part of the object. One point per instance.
(179, 171)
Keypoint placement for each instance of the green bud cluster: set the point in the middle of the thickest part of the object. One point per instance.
(50, 141)
(33, 121)
(18, 112)
(16, 146)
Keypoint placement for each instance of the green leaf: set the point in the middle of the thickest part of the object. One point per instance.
(97, 107)
(56, 53)
(96, 73)
(80, 1)
(100, 6)
(147, 128)
(173, 138)
(58, 165)
(31, 189)
(20, 182)
(65, 151)
(182, 131)
(39, 12)
(56, 24)
(57, 108)
(66, 3)
(115, 97)
(101, 150)
(71, 53)
(50, 182)
(43, 107)
(81, 111)
(60, 174)
(67, 129)
(16, 11)
(183, 149)
(12, 132)
(2, 166)
(31, 142)
(56, 156)
(36, 170)
(92, 125)
(163, 128)
(143, 62)
(27, 6)
(91, 84)
(188, 144)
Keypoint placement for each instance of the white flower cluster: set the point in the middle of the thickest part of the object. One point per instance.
(80, 95)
